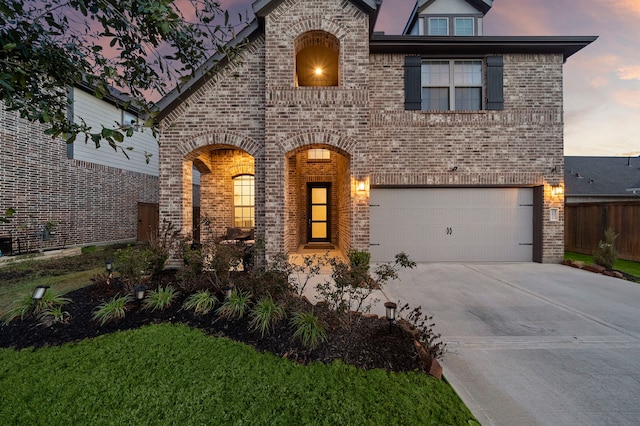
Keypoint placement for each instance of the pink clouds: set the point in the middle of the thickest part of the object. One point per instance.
(629, 72)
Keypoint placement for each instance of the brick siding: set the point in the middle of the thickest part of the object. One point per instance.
(90, 203)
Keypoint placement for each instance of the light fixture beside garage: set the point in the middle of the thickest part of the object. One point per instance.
(557, 190)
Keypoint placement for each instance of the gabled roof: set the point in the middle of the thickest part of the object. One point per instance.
(262, 8)
(481, 5)
(601, 176)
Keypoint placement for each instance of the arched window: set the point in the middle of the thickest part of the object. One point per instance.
(244, 201)
(317, 59)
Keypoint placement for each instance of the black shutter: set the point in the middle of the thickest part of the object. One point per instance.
(495, 77)
(412, 83)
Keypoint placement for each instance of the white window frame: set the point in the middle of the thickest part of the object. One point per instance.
(464, 18)
(239, 197)
(452, 83)
(430, 26)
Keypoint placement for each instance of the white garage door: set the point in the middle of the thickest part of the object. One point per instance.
(457, 225)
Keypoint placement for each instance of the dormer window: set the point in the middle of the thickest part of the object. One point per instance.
(464, 26)
(438, 26)
(442, 26)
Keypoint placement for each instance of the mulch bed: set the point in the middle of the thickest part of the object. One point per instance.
(370, 343)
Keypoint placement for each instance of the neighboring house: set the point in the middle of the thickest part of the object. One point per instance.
(440, 142)
(90, 195)
(601, 193)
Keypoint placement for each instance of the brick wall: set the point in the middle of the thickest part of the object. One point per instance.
(253, 105)
(518, 146)
(89, 202)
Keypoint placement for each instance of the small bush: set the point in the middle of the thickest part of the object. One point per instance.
(308, 328)
(133, 263)
(112, 310)
(54, 315)
(265, 314)
(201, 302)
(161, 298)
(25, 305)
(429, 339)
(235, 306)
(605, 254)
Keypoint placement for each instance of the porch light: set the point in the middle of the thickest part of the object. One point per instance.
(360, 186)
(38, 292)
(390, 312)
(318, 71)
(557, 190)
(140, 291)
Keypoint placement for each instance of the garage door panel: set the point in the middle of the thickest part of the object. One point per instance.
(461, 224)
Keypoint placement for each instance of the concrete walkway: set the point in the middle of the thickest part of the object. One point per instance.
(533, 344)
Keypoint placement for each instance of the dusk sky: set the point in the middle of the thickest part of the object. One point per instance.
(601, 82)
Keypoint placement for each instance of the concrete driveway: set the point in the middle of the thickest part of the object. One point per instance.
(534, 344)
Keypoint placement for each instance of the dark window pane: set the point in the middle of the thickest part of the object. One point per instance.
(468, 98)
(435, 98)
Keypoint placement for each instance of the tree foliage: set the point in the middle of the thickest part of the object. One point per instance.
(137, 46)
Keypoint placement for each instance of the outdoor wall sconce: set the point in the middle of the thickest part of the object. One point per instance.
(557, 190)
(361, 186)
(38, 293)
(390, 308)
(140, 291)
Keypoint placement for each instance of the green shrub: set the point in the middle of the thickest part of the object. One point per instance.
(235, 306)
(605, 254)
(133, 263)
(265, 314)
(26, 305)
(352, 283)
(161, 298)
(308, 328)
(201, 302)
(112, 310)
(54, 315)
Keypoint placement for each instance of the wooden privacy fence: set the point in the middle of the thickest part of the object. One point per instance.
(584, 227)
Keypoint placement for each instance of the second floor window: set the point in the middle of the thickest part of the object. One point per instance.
(463, 27)
(438, 26)
(452, 85)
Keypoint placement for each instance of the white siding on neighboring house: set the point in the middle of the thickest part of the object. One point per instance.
(97, 113)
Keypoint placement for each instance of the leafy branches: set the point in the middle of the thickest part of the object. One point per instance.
(138, 47)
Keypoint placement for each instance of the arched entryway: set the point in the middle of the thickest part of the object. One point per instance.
(318, 188)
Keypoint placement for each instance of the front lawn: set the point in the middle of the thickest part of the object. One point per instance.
(173, 374)
(626, 266)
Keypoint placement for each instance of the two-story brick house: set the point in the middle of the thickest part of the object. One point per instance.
(440, 142)
(92, 196)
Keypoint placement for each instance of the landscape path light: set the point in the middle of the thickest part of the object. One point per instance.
(37, 295)
(390, 308)
(227, 291)
(140, 291)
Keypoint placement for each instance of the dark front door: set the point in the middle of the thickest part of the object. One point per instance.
(319, 229)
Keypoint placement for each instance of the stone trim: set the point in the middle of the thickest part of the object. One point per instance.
(314, 23)
(476, 118)
(457, 179)
(245, 143)
(345, 144)
(307, 95)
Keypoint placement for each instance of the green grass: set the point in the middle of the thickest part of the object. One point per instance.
(172, 374)
(627, 266)
(62, 274)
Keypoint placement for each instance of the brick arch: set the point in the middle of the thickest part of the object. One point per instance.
(315, 23)
(342, 144)
(189, 149)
